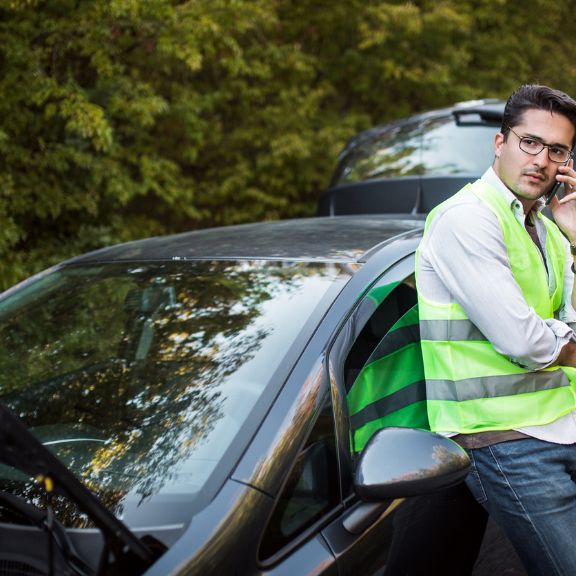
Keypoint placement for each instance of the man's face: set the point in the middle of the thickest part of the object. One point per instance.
(527, 176)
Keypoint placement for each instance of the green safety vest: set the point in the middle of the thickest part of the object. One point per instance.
(471, 387)
(390, 390)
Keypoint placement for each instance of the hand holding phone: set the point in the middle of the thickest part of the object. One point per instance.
(557, 184)
(553, 192)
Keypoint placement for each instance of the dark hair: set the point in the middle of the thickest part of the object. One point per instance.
(536, 97)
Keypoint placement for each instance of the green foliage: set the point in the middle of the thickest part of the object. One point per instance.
(126, 118)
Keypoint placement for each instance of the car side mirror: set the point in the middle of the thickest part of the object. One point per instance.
(401, 462)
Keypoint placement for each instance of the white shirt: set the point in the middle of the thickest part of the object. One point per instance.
(454, 267)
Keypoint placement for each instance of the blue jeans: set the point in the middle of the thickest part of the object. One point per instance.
(529, 488)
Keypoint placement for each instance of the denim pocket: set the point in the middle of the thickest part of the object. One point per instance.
(473, 481)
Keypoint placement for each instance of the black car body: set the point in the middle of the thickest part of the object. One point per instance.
(413, 164)
(125, 362)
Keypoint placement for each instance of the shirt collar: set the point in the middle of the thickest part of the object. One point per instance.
(492, 178)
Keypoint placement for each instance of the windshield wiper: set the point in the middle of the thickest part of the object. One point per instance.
(124, 553)
(44, 519)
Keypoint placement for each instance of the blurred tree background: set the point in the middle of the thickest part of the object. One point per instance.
(121, 119)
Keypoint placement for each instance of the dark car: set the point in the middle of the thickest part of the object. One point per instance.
(183, 405)
(413, 164)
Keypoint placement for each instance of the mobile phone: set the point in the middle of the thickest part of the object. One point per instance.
(553, 192)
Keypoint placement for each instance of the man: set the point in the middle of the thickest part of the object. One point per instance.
(496, 296)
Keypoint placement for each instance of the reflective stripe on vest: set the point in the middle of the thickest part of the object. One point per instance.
(390, 389)
(469, 385)
(495, 386)
(446, 330)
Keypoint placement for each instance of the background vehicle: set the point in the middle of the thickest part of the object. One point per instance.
(200, 385)
(413, 164)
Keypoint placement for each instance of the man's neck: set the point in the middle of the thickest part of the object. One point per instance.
(527, 205)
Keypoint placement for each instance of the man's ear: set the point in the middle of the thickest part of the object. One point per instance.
(498, 143)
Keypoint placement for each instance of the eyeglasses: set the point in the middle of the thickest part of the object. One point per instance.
(557, 154)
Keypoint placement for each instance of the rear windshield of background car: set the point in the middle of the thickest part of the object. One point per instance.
(431, 147)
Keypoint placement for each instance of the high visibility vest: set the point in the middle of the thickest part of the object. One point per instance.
(390, 390)
(470, 387)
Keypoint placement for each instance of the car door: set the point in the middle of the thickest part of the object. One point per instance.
(378, 346)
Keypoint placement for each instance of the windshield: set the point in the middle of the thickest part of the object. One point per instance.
(141, 377)
(428, 147)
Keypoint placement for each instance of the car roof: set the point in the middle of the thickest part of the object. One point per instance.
(333, 239)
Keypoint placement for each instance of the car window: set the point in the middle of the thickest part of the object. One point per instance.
(386, 304)
(376, 313)
(389, 153)
(384, 374)
(311, 490)
(452, 149)
(426, 147)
